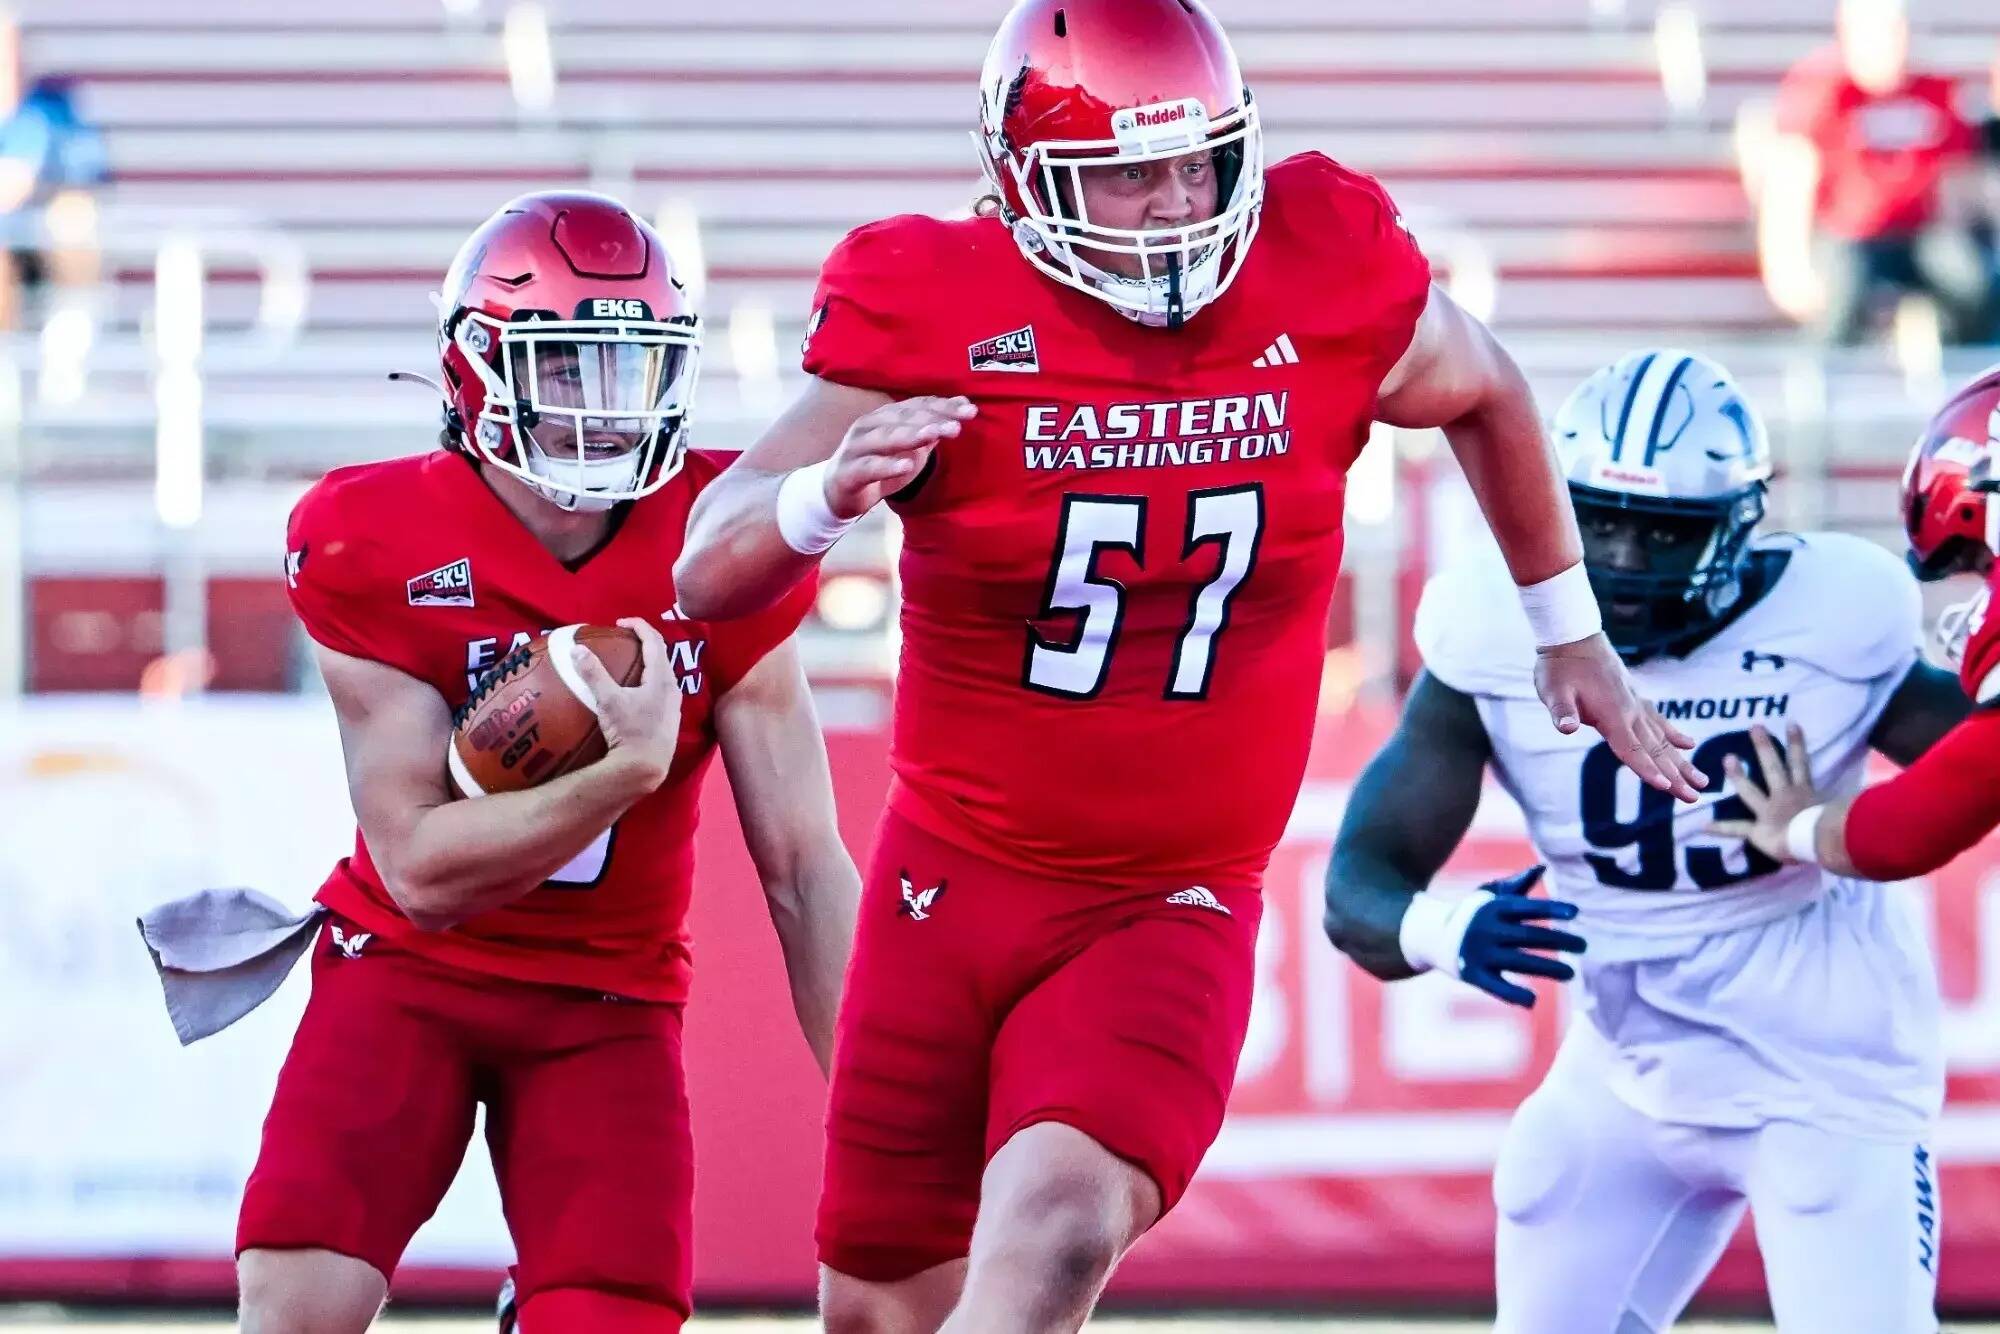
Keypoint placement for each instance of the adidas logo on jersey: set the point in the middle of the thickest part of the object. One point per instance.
(446, 586)
(1196, 896)
(1280, 353)
(1007, 352)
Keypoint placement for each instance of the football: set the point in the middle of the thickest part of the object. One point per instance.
(531, 718)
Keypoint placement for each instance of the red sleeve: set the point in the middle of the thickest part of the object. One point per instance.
(1935, 809)
(1403, 276)
(1364, 264)
(734, 647)
(330, 578)
(866, 329)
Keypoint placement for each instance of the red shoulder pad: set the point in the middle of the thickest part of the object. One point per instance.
(869, 314)
(334, 577)
(1347, 241)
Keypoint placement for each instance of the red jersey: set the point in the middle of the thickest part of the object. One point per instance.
(1882, 155)
(1116, 580)
(415, 563)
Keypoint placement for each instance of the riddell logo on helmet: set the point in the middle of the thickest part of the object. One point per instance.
(1623, 475)
(1186, 116)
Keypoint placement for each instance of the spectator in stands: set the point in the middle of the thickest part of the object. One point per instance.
(51, 160)
(1868, 187)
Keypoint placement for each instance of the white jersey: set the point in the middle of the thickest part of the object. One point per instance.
(1674, 916)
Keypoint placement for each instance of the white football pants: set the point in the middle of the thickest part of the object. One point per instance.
(1610, 1220)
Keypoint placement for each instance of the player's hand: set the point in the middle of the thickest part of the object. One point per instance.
(1787, 790)
(885, 450)
(642, 723)
(1585, 685)
(1504, 937)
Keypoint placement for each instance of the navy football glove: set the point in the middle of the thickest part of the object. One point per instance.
(1486, 935)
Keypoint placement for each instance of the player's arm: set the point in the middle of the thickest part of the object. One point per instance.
(1928, 703)
(1456, 376)
(776, 757)
(1910, 825)
(445, 860)
(1409, 811)
(835, 453)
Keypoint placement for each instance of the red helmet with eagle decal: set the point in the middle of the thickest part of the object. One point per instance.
(1073, 84)
(569, 349)
(1949, 509)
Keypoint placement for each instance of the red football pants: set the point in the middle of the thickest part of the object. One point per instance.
(587, 1120)
(1004, 1000)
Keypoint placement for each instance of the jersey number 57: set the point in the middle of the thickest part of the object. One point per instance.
(1232, 517)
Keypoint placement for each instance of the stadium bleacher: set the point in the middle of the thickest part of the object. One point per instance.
(357, 144)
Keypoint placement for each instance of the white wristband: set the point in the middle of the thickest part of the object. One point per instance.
(1434, 929)
(1562, 609)
(806, 522)
(1802, 835)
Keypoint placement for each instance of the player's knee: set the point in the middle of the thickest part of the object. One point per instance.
(852, 1312)
(866, 1308)
(1069, 1234)
(306, 1292)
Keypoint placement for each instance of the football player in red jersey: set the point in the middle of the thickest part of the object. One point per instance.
(1950, 799)
(1115, 413)
(528, 950)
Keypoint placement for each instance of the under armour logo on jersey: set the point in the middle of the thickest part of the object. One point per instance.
(917, 906)
(446, 586)
(350, 947)
(1013, 351)
(1280, 353)
(1751, 658)
(1198, 896)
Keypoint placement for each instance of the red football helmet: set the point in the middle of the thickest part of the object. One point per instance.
(569, 349)
(1071, 84)
(1948, 507)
